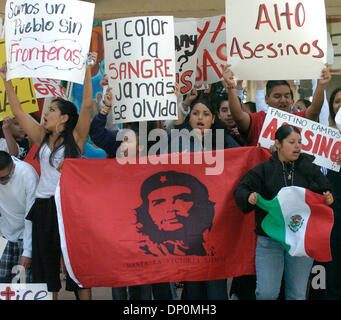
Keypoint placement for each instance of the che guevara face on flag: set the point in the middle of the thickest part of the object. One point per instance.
(175, 215)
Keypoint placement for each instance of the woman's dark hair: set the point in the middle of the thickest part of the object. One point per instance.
(65, 137)
(331, 101)
(204, 101)
(284, 131)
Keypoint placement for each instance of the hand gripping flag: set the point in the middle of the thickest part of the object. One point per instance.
(300, 220)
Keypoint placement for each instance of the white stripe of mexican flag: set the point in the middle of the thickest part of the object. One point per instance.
(299, 219)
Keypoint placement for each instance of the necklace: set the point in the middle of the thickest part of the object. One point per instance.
(288, 174)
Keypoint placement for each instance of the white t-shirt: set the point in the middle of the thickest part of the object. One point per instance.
(16, 199)
(49, 175)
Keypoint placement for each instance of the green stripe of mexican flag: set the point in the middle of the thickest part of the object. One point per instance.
(300, 220)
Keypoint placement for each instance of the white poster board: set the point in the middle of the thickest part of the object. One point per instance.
(319, 140)
(48, 38)
(140, 63)
(211, 49)
(186, 45)
(276, 39)
(24, 291)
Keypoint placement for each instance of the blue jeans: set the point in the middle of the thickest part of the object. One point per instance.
(271, 260)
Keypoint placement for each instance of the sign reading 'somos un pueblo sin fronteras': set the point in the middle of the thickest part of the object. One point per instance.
(317, 139)
(48, 39)
(140, 63)
(276, 39)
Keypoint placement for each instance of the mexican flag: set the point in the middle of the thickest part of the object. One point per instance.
(300, 220)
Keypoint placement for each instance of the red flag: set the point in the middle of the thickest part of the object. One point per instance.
(144, 223)
(31, 160)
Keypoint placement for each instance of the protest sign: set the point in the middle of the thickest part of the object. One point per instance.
(23, 88)
(140, 64)
(186, 45)
(276, 39)
(48, 39)
(317, 139)
(25, 291)
(211, 49)
(46, 88)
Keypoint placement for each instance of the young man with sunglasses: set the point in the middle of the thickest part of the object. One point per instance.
(18, 182)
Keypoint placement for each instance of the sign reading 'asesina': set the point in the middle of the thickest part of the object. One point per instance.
(317, 139)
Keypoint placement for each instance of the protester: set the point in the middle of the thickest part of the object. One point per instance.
(279, 96)
(333, 287)
(301, 104)
(18, 182)
(224, 114)
(287, 167)
(14, 140)
(200, 133)
(63, 134)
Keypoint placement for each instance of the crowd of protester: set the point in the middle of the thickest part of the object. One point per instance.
(30, 225)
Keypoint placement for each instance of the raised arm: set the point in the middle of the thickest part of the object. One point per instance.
(313, 112)
(12, 145)
(241, 117)
(177, 93)
(30, 126)
(102, 137)
(81, 131)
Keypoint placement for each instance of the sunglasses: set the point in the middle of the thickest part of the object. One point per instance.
(5, 178)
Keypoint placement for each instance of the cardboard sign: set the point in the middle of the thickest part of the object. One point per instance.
(48, 39)
(24, 291)
(46, 88)
(211, 49)
(140, 64)
(318, 140)
(186, 45)
(23, 88)
(276, 39)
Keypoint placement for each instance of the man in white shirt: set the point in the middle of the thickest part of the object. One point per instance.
(18, 182)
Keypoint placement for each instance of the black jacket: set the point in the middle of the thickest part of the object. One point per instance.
(267, 179)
